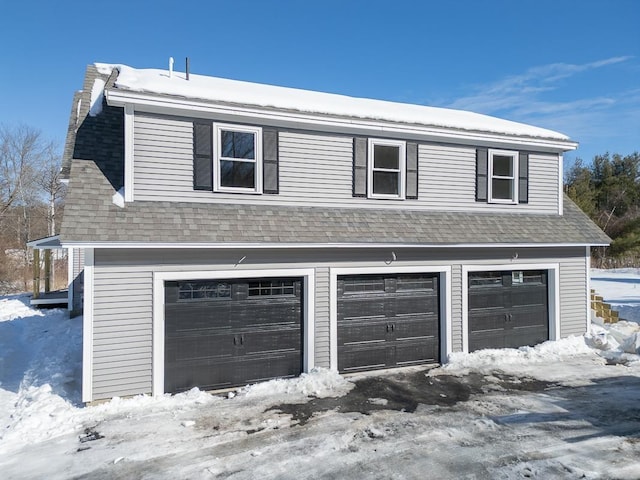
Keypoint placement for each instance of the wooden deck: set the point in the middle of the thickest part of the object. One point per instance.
(56, 298)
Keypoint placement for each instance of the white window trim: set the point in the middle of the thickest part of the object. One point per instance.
(402, 152)
(257, 132)
(515, 179)
(308, 354)
(446, 334)
(553, 292)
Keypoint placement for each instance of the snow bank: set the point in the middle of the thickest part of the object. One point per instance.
(246, 93)
(320, 382)
(503, 359)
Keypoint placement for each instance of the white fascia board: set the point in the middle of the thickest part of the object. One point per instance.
(257, 246)
(189, 107)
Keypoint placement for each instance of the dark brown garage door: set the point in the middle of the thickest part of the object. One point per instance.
(225, 333)
(508, 309)
(387, 321)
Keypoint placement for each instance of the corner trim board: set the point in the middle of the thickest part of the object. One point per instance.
(87, 327)
(158, 311)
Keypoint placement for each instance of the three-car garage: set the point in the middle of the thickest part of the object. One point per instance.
(223, 332)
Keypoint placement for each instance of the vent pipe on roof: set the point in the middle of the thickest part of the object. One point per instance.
(187, 67)
(170, 67)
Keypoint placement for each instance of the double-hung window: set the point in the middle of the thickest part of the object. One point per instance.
(237, 158)
(386, 168)
(503, 176)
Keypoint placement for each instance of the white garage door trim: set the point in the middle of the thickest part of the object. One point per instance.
(445, 302)
(553, 292)
(158, 310)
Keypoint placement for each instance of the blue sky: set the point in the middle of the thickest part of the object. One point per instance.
(568, 65)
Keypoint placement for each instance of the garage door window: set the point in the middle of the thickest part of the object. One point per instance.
(363, 284)
(485, 279)
(270, 288)
(415, 282)
(203, 290)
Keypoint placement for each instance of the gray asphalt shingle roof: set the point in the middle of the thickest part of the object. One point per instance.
(90, 216)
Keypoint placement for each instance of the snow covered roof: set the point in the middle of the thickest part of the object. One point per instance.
(216, 89)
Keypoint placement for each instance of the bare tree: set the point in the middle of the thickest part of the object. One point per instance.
(29, 191)
(48, 179)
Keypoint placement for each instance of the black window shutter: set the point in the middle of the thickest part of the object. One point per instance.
(412, 170)
(203, 156)
(523, 178)
(270, 183)
(481, 174)
(359, 167)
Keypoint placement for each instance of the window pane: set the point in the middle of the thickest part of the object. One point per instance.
(503, 165)
(385, 183)
(385, 156)
(502, 189)
(237, 174)
(237, 144)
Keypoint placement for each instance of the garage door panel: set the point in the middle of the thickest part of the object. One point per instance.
(365, 329)
(415, 326)
(362, 357)
(269, 340)
(530, 296)
(416, 351)
(195, 316)
(418, 304)
(256, 368)
(206, 346)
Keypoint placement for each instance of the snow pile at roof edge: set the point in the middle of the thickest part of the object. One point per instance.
(307, 101)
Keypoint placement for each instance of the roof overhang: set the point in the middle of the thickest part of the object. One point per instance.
(166, 104)
(47, 243)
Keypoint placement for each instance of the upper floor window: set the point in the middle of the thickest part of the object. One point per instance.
(503, 176)
(237, 158)
(386, 168)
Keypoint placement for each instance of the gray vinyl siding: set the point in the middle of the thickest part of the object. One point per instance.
(316, 169)
(573, 297)
(122, 331)
(447, 177)
(456, 308)
(122, 326)
(322, 334)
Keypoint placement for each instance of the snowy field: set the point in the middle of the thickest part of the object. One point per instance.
(566, 409)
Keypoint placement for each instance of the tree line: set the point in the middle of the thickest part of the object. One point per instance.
(31, 202)
(608, 190)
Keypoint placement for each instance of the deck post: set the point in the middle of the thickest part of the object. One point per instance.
(36, 273)
(47, 271)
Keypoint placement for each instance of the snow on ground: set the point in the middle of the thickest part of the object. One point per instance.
(565, 409)
(621, 288)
